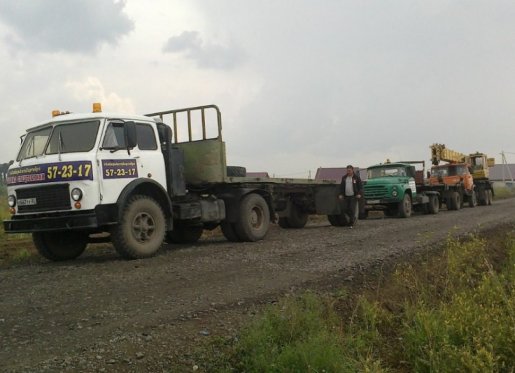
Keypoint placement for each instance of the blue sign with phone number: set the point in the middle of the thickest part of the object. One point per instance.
(50, 172)
(119, 168)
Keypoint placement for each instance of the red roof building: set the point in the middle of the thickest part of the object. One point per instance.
(336, 173)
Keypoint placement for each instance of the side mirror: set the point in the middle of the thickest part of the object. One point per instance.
(131, 138)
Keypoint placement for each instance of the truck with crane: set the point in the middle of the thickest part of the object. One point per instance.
(464, 178)
(133, 181)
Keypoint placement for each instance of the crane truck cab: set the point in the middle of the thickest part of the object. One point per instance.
(455, 184)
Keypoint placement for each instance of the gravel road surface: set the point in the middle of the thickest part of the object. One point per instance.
(101, 313)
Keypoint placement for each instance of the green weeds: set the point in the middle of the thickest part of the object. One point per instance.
(455, 312)
(502, 192)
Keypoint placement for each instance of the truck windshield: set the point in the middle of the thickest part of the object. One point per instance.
(64, 138)
(449, 171)
(34, 143)
(385, 171)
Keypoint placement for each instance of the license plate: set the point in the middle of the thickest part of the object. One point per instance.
(27, 202)
(373, 201)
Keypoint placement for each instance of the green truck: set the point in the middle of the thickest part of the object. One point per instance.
(398, 189)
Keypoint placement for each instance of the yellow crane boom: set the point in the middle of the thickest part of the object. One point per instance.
(478, 162)
(439, 153)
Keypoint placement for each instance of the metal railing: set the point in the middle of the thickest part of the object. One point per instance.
(188, 112)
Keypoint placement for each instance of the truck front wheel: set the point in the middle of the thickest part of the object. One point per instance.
(58, 246)
(141, 229)
(405, 206)
(254, 218)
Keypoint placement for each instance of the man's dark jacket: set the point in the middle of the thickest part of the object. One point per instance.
(356, 184)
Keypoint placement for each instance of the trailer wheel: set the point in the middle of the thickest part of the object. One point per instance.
(184, 234)
(229, 232)
(338, 220)
(434, 205)
(59, 246)
(296, 219)
(284, 223)
(405, 206)
(141, 229)
(473, 199)
(254, 218)
(455, 201)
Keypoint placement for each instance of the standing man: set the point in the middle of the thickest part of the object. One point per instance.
(351, 189)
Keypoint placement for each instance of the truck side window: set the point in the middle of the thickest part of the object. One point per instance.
(114, 137)
(146, 137)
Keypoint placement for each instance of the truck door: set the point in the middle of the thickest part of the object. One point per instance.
(118, 166)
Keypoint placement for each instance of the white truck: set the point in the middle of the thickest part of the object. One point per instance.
(127, 179)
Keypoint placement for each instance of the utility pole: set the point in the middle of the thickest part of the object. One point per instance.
(506, 165)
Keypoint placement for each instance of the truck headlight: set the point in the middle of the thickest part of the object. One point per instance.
(394, 193)
(11, 200)
(76, 194)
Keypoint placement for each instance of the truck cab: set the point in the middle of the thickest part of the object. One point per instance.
(132, 181)
(452, 174)
(392, 188)
(73, 176)
(455, 184)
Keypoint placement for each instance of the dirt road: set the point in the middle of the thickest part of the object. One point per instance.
(101, 313)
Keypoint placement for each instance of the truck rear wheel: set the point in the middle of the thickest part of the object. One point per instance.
(254, 218)
(229, 232)
(141, 229)
(434, 205)
(455, 201)
(184, 234)
(473, 199)
(405, 206)
(62, 245)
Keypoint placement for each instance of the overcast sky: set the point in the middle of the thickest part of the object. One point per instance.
(300, 83)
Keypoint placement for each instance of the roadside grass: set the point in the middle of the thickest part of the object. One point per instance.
(13, 247)
(503, 192)
(4, 209)
(453, 312)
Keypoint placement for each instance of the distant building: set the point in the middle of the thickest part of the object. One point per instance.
(336, 173)
(502, 171)
(260, 175)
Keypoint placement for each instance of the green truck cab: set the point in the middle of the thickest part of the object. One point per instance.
(397, 189)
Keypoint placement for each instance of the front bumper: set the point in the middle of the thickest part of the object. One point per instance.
(63, 221)
(380, 204)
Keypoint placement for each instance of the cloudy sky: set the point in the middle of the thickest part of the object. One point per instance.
(301, 83)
